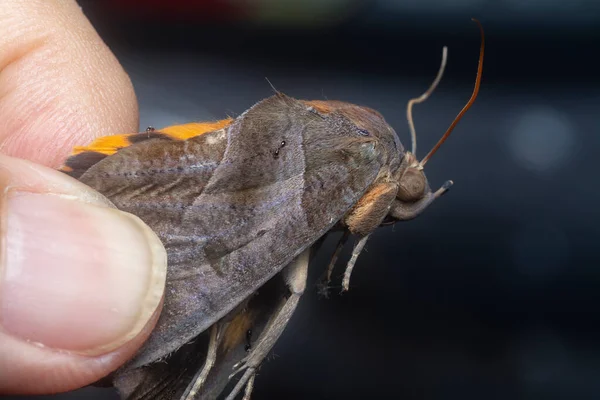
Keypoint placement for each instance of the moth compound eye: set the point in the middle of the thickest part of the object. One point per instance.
(412, 185)
(363, 132)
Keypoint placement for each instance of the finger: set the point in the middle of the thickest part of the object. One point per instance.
(60, 85)
(81, 283)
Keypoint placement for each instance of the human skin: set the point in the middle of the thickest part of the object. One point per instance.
(81, 283)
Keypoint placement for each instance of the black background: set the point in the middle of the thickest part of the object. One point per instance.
(493, 293)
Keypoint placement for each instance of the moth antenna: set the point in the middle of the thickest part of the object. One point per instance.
(469, 103)
(422, 98)
(272, 87)
(355, 253)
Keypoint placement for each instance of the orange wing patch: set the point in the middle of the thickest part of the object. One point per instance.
(192, 129)
(106, 145)
(322, 106)
(84, 157)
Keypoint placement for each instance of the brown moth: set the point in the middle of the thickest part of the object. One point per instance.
(239, 204)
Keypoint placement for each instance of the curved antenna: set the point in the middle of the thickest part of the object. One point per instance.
(422, 98)
(469, 103)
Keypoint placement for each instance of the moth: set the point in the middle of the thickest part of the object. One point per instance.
(240, 204)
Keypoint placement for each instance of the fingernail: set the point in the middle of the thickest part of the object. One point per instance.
(76, 276)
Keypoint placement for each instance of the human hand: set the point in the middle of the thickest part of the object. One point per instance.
(81, 283)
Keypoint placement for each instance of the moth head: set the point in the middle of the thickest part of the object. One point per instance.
(401, 191)
(414, 193)
(412, 185)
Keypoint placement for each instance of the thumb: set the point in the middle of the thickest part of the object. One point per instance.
(81, 282)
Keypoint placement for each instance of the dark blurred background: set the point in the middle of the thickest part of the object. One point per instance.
(493, 293)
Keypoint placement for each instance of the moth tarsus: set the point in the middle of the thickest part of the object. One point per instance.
(247, 381)
(323, 289)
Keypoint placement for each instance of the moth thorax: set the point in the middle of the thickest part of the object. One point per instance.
(412, 185)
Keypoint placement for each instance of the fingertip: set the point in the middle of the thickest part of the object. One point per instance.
(81, 283)
(60, 85)
(30, 368)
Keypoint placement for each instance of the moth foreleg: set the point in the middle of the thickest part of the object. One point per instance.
(211, 356)
(365, 217)
(371, 209)
(295, 276)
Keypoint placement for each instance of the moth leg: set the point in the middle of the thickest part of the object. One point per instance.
(295, 275)
(323, 284)
(355, 253)
(365, 217)
(211, 356)
(371, 209)
(249, 387)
